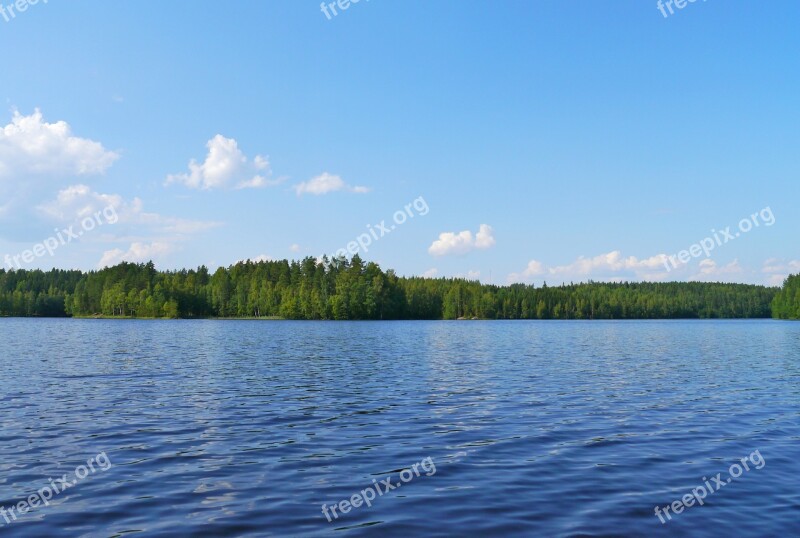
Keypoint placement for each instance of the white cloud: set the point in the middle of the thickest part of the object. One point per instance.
(295, 248)
(430, 273)
(610, 266)
(137, 253)
(710, 271)
(226, 166)
(79, 201)
(450, 243)
(31, 146)
(484, 237)
(534, 269)
(257, 182)
(777, 270)
(326, 183)
(613, 262)
(471, 275)
(613, 267)
(148, 235)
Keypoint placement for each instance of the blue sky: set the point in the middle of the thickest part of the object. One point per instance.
(557, 141)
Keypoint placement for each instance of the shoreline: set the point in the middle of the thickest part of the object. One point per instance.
(275, 318)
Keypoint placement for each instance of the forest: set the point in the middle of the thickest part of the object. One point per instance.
(786, 304)
(341, 289)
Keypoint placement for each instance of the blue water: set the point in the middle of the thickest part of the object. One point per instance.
(235, 428)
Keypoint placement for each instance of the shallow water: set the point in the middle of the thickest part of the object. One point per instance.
(236, 428)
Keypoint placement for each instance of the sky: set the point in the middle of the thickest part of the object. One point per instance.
(506, 141)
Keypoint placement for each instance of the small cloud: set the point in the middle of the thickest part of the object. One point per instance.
(79, 201)
(258, 182)
(226, 166)
(430, 273)
(711, 271)
(295, 248)
(471, 275)
(534, 269)
(461, 243)
(327, 183)
(137, 253)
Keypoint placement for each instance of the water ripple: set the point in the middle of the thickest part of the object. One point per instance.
(535, 428)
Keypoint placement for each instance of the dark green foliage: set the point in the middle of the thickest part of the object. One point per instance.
(36, 293)
(341, 289)
(786, 304)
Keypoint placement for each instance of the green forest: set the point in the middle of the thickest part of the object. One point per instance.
(787, 301)
(341, 289)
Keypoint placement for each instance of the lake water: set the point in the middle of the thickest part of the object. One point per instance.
(236, 428)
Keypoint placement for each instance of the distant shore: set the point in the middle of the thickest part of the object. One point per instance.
(341, 289)
(277, 318)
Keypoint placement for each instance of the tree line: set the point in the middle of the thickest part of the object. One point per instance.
(341, 289)
(786, 304)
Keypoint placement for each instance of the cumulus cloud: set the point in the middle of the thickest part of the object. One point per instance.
(461, 243)
(137, 253)
(326, 183)
(31, 146)
(609, 266)
(295, 248)
(226, 166)
(34, 153)
(431, 273)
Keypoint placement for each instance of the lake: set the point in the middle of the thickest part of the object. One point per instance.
(528, 428)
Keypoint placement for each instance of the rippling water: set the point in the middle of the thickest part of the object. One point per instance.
(227, 428)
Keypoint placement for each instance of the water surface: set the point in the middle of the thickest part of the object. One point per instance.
(236, 428)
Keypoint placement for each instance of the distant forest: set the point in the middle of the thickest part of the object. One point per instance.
(341, 289)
